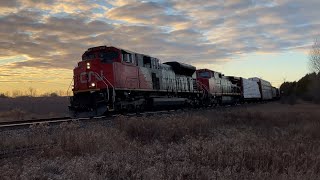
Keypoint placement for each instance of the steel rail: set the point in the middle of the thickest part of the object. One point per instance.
(57, 120)
(32, 121)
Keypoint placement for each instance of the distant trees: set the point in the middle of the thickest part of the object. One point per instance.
(2, 95)
(307, 88)
(50, 94)
(17, 93)
(314, 60)
(314, 57)
(31, 92)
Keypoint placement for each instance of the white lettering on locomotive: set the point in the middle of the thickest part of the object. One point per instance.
(86, 77)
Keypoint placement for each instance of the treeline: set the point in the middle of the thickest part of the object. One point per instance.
(31, 92)
(307, 88)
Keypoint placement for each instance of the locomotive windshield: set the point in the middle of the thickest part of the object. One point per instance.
(88, 56)
(108, 56)
(204, 74)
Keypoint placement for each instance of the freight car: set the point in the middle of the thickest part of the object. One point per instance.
(250, 90)
(265, 88)
(114, 79)
(275, 93)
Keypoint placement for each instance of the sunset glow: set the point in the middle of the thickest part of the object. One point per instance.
(42, 41)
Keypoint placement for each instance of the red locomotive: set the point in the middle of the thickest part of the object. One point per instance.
(113, 79)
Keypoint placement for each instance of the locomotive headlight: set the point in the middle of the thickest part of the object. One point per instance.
(88, 66)
(93, 84)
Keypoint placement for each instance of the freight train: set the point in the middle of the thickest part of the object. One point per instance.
(111, 79)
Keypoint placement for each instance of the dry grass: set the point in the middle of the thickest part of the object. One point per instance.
(22, 108)
(264, 142)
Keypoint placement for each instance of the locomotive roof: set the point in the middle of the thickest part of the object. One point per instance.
(209, 70)
(259, 79)
(234, 77)
(181, 68)
(102, 47)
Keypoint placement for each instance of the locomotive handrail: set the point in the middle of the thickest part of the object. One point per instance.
(104, 83)
(113, 90)
(202, 86)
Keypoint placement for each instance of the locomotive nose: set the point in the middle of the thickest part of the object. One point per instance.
(92, 76)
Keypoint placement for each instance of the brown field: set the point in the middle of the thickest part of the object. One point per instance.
(266, 141)
(24, 108)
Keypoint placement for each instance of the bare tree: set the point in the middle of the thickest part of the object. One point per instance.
(32, 92)
(17, 93)
(314, 56)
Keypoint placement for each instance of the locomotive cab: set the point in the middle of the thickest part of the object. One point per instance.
(103, 54)
(95, 71)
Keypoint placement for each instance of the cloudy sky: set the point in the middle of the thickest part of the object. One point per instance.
(42, 40)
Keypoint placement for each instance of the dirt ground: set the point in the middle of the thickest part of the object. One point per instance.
(24, 108)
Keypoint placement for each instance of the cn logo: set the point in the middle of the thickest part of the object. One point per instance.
(86, 77)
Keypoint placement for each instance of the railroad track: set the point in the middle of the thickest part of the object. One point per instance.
(58, 120)
(32, 121)
(22, 124)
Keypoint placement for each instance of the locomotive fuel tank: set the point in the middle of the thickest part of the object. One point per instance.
(167, 102)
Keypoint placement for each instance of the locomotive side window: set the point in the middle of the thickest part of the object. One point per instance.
(132, 58)
(136, 57)
(127, 57)
(108, 57)
(146, 61)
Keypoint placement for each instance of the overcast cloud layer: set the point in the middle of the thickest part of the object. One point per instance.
(54, 33)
